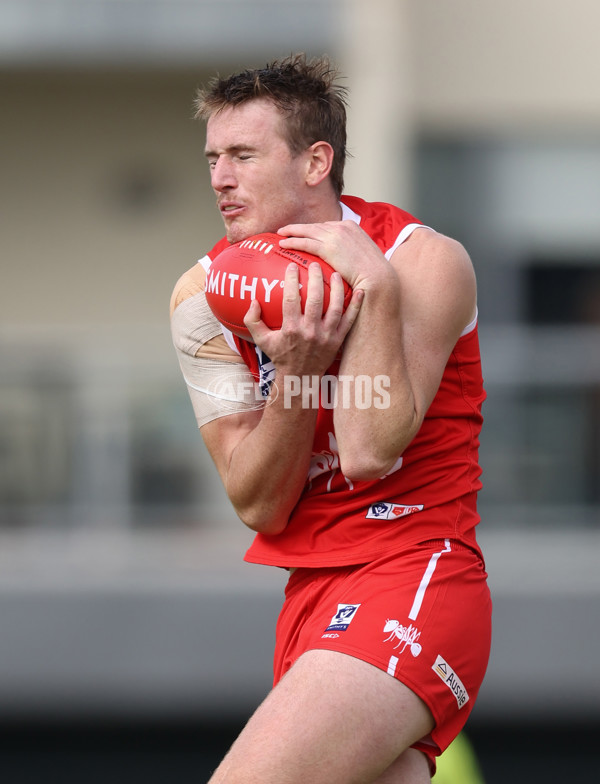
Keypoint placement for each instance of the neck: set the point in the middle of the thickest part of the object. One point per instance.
(324, 209)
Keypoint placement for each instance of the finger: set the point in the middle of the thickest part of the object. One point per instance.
(310, 245)
(296, 229)
(304, 237)
(291, 292)
(313, 309)
(306, 229)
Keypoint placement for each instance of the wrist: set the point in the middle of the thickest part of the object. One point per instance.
(299, 391)
(381, 279)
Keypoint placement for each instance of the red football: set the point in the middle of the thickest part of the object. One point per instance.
(255, 269)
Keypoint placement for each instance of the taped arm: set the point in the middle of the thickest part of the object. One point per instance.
(217, 379)
(261, 449)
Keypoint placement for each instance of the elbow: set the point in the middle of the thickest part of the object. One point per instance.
(261, 522)
(373, 454)
(366, 466)
(266, 514)
(372, 459)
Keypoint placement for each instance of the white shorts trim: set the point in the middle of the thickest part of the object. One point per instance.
(426, 579)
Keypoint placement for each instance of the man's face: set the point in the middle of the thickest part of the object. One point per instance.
(259, 185)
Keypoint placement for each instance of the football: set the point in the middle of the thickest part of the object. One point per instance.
(255, 269)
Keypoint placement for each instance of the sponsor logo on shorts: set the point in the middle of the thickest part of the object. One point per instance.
(403, 636)
(444, 671)
(330, 636)
(343, 617)
(383, 510)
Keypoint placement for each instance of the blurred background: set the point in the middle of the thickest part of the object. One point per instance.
(133, 639)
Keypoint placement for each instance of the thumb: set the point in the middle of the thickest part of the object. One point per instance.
(352, 311)
(253, 321)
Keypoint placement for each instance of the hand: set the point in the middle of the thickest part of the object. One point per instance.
(308, 342)
(345, 247)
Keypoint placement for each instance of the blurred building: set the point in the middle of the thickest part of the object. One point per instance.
(121, 584)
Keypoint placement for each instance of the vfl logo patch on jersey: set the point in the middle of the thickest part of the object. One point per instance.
(444, 671)
(343, 617)
(383, 510)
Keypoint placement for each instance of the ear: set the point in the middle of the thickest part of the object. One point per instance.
(319, 162)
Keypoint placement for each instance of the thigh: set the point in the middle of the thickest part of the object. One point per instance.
(333, 719)
(411, 767)
(422, 616)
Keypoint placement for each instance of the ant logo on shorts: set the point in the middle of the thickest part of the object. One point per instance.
(406, 636)
(344, 615)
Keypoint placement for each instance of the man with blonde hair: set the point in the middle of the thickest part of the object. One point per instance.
(384, 635)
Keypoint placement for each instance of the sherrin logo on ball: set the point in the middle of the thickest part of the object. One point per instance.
(255, 269)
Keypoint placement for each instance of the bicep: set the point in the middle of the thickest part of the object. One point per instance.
(224, 394)
(438, 300)
(226, 399)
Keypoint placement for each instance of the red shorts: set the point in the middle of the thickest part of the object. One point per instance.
(423, 616)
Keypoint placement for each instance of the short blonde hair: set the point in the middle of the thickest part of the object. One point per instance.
(306, 92)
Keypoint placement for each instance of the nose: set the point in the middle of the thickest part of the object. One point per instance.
(222, 175)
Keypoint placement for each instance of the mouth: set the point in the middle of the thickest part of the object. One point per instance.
(230, 209)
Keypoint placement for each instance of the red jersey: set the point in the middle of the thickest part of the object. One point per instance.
(432, 491)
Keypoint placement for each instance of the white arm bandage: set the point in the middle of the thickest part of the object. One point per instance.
(217, 387)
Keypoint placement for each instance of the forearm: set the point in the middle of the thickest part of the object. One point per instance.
(267, 469)
(376, 416)
(410, 320)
